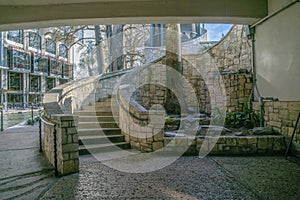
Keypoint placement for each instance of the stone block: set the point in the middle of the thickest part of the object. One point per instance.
(65, 156)
(159, 136)
(275, 124)
(231, 141)
(72, 130)
(294, 106)
(274, 116)
(270, 143)
(145, 149)
(157, 145)
(292, 115)
(69, 167)
(69, 148)
(70, 139)
(242, 141)
(262, 143)
(75, 138)
(283, 114)
(181, 141)
(278, 144)
(74, 155)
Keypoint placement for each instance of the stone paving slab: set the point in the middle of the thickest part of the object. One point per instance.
(24, 171)
(187, 178)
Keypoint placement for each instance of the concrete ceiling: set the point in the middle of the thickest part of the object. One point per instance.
(22, 14)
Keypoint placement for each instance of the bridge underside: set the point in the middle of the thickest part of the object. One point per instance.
(22, 14)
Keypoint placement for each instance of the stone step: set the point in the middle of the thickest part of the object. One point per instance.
(98, 108)
(94, 113)
(98, 118)
(100, 139)
(99, 131)
(104, 156)
(89, 125)
(97, 148)
(105, 100)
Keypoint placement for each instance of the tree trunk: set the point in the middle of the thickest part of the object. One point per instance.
(115, 46)
(99, 50)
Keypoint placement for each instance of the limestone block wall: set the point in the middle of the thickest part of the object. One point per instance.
(66, 141)
(141, 128)
(106, 84)
(229, 145)
(221, 74)
(282, 116)
(140, 122)
(226, 65)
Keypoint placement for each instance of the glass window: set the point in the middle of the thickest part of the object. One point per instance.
(50, 83)
(62, 81)
(5, 57)
(15, 100)
(50, 46)
(34, 40)
(40, 64)
(67, 70)
(63, 51)
(55, 67)
(15, 81)
(34, 83)
(16, 36)
(20, 60)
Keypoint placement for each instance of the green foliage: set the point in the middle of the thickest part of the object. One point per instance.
(247, 118)
(35, 119)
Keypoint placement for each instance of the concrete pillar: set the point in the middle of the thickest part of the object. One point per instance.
(152, 32)
(1, 49)
(199, 29)
(43, 86)
(173, 46)
(25, 89)
(162, 34)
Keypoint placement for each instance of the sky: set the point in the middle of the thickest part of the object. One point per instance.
(214, 31)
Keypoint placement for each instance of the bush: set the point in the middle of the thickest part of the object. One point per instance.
(247, 118)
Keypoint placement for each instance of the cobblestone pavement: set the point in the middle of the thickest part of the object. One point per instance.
(24, 172)
(187, 178)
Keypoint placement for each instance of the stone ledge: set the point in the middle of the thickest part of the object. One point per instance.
(231, 145)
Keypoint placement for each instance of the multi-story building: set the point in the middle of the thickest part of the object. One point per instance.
(31, 63)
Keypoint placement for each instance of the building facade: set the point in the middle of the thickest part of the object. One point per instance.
(31, 63)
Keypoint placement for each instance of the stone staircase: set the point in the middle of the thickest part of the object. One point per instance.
(97, 129)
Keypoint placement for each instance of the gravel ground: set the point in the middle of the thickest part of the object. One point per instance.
(187, 178)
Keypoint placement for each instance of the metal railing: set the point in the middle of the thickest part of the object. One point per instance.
(42, 120)
(1, 110)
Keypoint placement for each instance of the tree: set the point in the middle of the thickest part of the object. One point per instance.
(135, 37)
(114, 34)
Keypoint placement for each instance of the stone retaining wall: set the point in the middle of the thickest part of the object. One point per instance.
(282, 116)
(67, 143)
(231, 145)
(228, 63)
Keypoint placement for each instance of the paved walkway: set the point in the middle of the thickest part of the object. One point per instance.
(25, 174)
